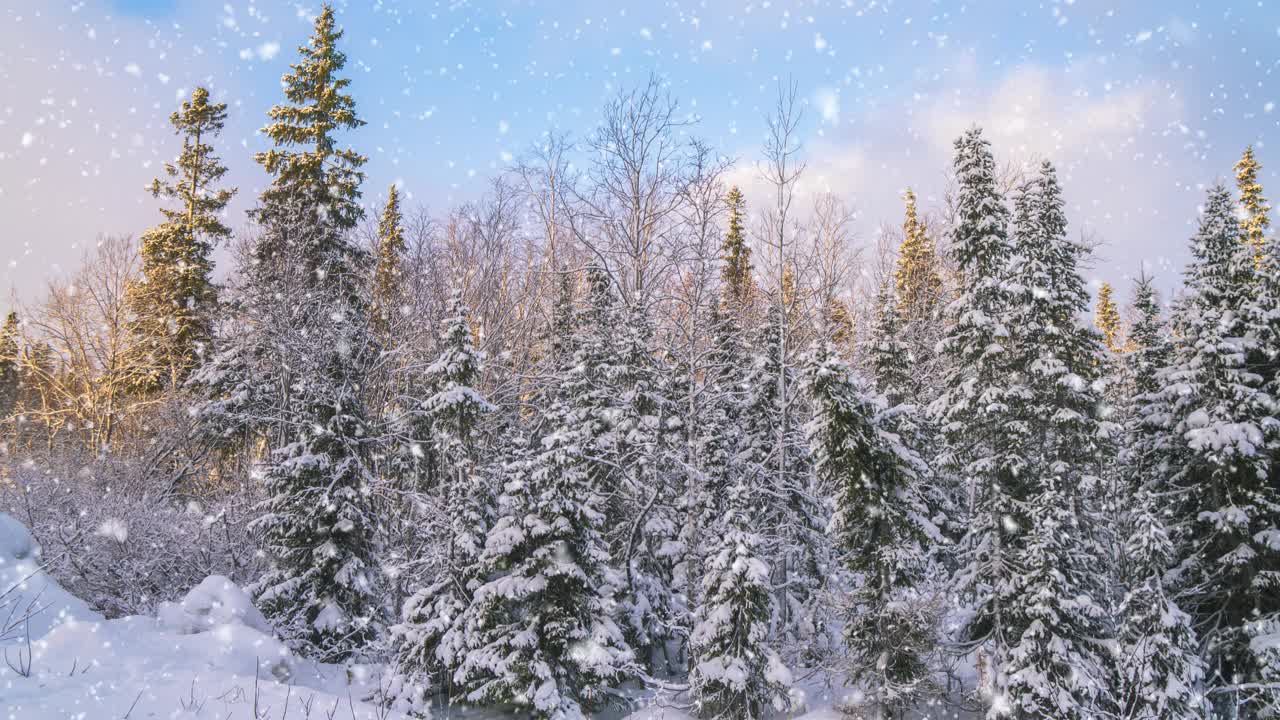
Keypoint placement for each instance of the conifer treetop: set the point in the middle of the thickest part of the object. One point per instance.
(1106, 318)
(319, 105)
(1256, 220)
(918, 284)
(391, 249)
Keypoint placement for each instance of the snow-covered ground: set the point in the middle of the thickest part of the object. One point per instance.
(209, 656)
(212, 655)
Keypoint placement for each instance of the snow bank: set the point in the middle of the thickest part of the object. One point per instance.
(215, 601)
(28, 592)
(211, 655)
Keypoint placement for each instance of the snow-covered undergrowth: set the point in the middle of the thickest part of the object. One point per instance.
(211, 654)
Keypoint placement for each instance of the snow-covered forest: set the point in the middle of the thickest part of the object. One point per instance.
(621, 440)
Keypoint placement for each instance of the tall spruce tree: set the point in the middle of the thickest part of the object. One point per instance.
(540, 634)
(881, 532)
(433, 614)
(1106, 317)
(311, 174)
(172, 303)
(388, 271)
(316, 527)
(736, 254)
(1059, 665)
(1226, 505)
(734, 673)
(984, 438)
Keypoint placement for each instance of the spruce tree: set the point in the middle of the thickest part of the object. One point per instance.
(983, 438)
(316, 527)
(734, 673)
(172, 303)
(539, 633)
(881, 532)
(1106, 317)
(1225, 503)
(917, 280)
(647, 446)
(455, 409)
(311, 174)
(736, 254)
(302, 256)
(1256, 220)
(1161, 674)
(387, 274)
(1059, 665)
(890, 359)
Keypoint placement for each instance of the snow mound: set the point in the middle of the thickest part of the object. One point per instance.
(38, 603)
(212, 654)
(216, 601)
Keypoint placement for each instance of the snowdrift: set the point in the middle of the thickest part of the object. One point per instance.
(211, 655)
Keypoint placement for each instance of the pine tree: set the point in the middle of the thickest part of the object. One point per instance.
(737, 255)
(387, 281)
(432, 614)
(172, 303)
(1226, 507)
(1256, 220)
(319, 178)
(1106, 317)
(734, 673)
(881, 530)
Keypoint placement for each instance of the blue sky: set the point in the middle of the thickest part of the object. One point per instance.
(1140, 103)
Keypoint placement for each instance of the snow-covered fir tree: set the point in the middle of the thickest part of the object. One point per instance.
(315, 526)
(540, 632)
(1058, 666)
(1160, 671)
(1226, 509)
(648, 449)
(984, 439)
(881, 530)
(734, 672)
(456, 409)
